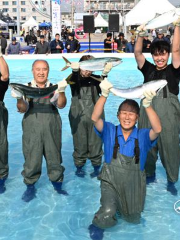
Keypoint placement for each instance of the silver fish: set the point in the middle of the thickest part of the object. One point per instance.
(31, 92)
(137, 92)
(96, 64)
(164, 19)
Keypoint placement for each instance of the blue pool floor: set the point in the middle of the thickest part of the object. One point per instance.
(51, 216)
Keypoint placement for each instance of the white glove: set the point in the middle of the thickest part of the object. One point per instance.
(149, 94)
(0, 52)
(107, 68)
(105, 86)
(141, 31)
(16, 94)
(62, 86)
(177, 22)
(75, 66)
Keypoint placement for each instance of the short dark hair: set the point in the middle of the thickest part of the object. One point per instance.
(57, 34)
(86, 57)
(160, 47)
(41, 36)
(121, 34)
(109, 34)
(132, 106)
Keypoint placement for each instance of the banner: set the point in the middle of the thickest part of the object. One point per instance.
(56, 17)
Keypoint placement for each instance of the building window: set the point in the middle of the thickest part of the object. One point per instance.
(14, 3)
(23, 18)
(5, 9)
(23, 10)
(14, 9)
(5, 3)
(23, 3)
(44, 9)
(14, 18)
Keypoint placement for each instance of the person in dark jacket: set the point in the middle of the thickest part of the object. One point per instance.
(146, 44)
(42, 47)
(3, 43)
(72, 45)
(161, 37)
(28, 38)
(107, 43)
(56, 45)
(121, 42)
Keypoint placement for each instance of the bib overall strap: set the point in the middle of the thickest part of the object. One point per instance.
(116, 146)
(136, 151)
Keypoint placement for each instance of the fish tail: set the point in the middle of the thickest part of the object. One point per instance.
(68, 64)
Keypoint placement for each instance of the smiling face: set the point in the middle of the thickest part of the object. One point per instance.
(160, 59)
(40, 72)
(127, 120)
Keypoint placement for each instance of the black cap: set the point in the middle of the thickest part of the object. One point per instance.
(121, 34)
(41, 36)
(13, 39)
(71, 34)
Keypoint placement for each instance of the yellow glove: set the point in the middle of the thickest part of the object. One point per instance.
(105, 86)
(107, 68)
(149, 94)
(141, 31)
(62, 86)
(177, 22)
(75, 66)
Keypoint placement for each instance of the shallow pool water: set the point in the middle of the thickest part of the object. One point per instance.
(51, 216)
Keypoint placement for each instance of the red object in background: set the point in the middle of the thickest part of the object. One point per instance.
(79, 33)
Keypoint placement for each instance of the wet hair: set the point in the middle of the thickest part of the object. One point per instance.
(86, 57)
(160, 47)
(109, 34)
(129, 105)
(40, 60)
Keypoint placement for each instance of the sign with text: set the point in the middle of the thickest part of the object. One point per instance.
(56, 17)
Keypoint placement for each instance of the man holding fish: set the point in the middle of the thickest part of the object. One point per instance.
(166, 104)
(4, 81)
(123, 180)
(85, 93)
(41, 131)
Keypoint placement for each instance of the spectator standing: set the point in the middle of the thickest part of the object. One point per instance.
(42, 47)
(130, 45)
(121, 42)
(146, 44)
(3, 43)
(56, 45)
(72, 45)
(28, 38)
(14, 47)
(107, 43)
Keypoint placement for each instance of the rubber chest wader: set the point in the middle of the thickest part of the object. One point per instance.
(123, 189)
(167, 107)
(42, 137)
(87, 145)
(4, 168)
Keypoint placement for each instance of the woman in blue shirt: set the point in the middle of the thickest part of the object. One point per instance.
(123, 181)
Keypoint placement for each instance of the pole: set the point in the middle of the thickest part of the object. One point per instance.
(72, 12)
(113, 42)
(18, 19)
(89, 43)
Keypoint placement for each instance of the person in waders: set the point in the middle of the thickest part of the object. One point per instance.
(85, 92)
(4, 81)
(123, 180)
(42, 129)
(166, 104)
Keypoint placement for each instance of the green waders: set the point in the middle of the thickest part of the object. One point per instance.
(42, 137)
(4, 168)
(168, 110)
(87, 145)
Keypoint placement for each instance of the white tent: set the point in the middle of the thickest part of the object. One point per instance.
(100, 22)
(3, 23)
(146, 10)
(30, 23)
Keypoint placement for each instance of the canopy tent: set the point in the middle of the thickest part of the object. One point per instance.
(3, 23)
(146, 10)
(31, 22)
(44, 24)
(100, 22)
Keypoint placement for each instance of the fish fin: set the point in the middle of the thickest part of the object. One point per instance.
(68, 64)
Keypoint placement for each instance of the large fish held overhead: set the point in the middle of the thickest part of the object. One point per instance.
(95, 64)
(137, 92)
(164, 19)
(31, 92)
